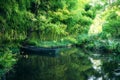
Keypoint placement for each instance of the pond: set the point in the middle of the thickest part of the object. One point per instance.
(71, 64)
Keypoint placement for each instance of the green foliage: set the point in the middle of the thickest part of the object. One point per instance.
(99, 43)
(98, 7)
(83, 39)
(112, 26)
(48, 20)
(51, 23)
(67, 41)
(7, 60)
(55, 22)
(110, 46)
(56, 18)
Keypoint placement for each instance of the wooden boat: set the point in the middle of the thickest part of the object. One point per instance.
(42, 51)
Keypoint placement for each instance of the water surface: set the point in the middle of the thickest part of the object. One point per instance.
(71, 64)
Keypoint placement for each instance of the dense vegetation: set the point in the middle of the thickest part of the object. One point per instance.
(55, 23)
(45, 20)
(108, 39)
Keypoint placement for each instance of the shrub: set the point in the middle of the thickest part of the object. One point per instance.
(7, 60)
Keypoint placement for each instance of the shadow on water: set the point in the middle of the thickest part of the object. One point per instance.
(72, 64)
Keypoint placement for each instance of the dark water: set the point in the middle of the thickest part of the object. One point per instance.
(72, 64)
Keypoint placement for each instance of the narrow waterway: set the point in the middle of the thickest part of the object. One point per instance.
(71, 64)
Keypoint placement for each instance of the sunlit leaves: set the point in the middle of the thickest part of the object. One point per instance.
(112, 23)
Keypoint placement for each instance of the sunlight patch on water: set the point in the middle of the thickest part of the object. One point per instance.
(94, 78)
(96, 64)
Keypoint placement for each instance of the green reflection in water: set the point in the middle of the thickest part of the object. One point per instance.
(72, 64)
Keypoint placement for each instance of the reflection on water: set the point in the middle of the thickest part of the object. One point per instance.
(72, 64)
